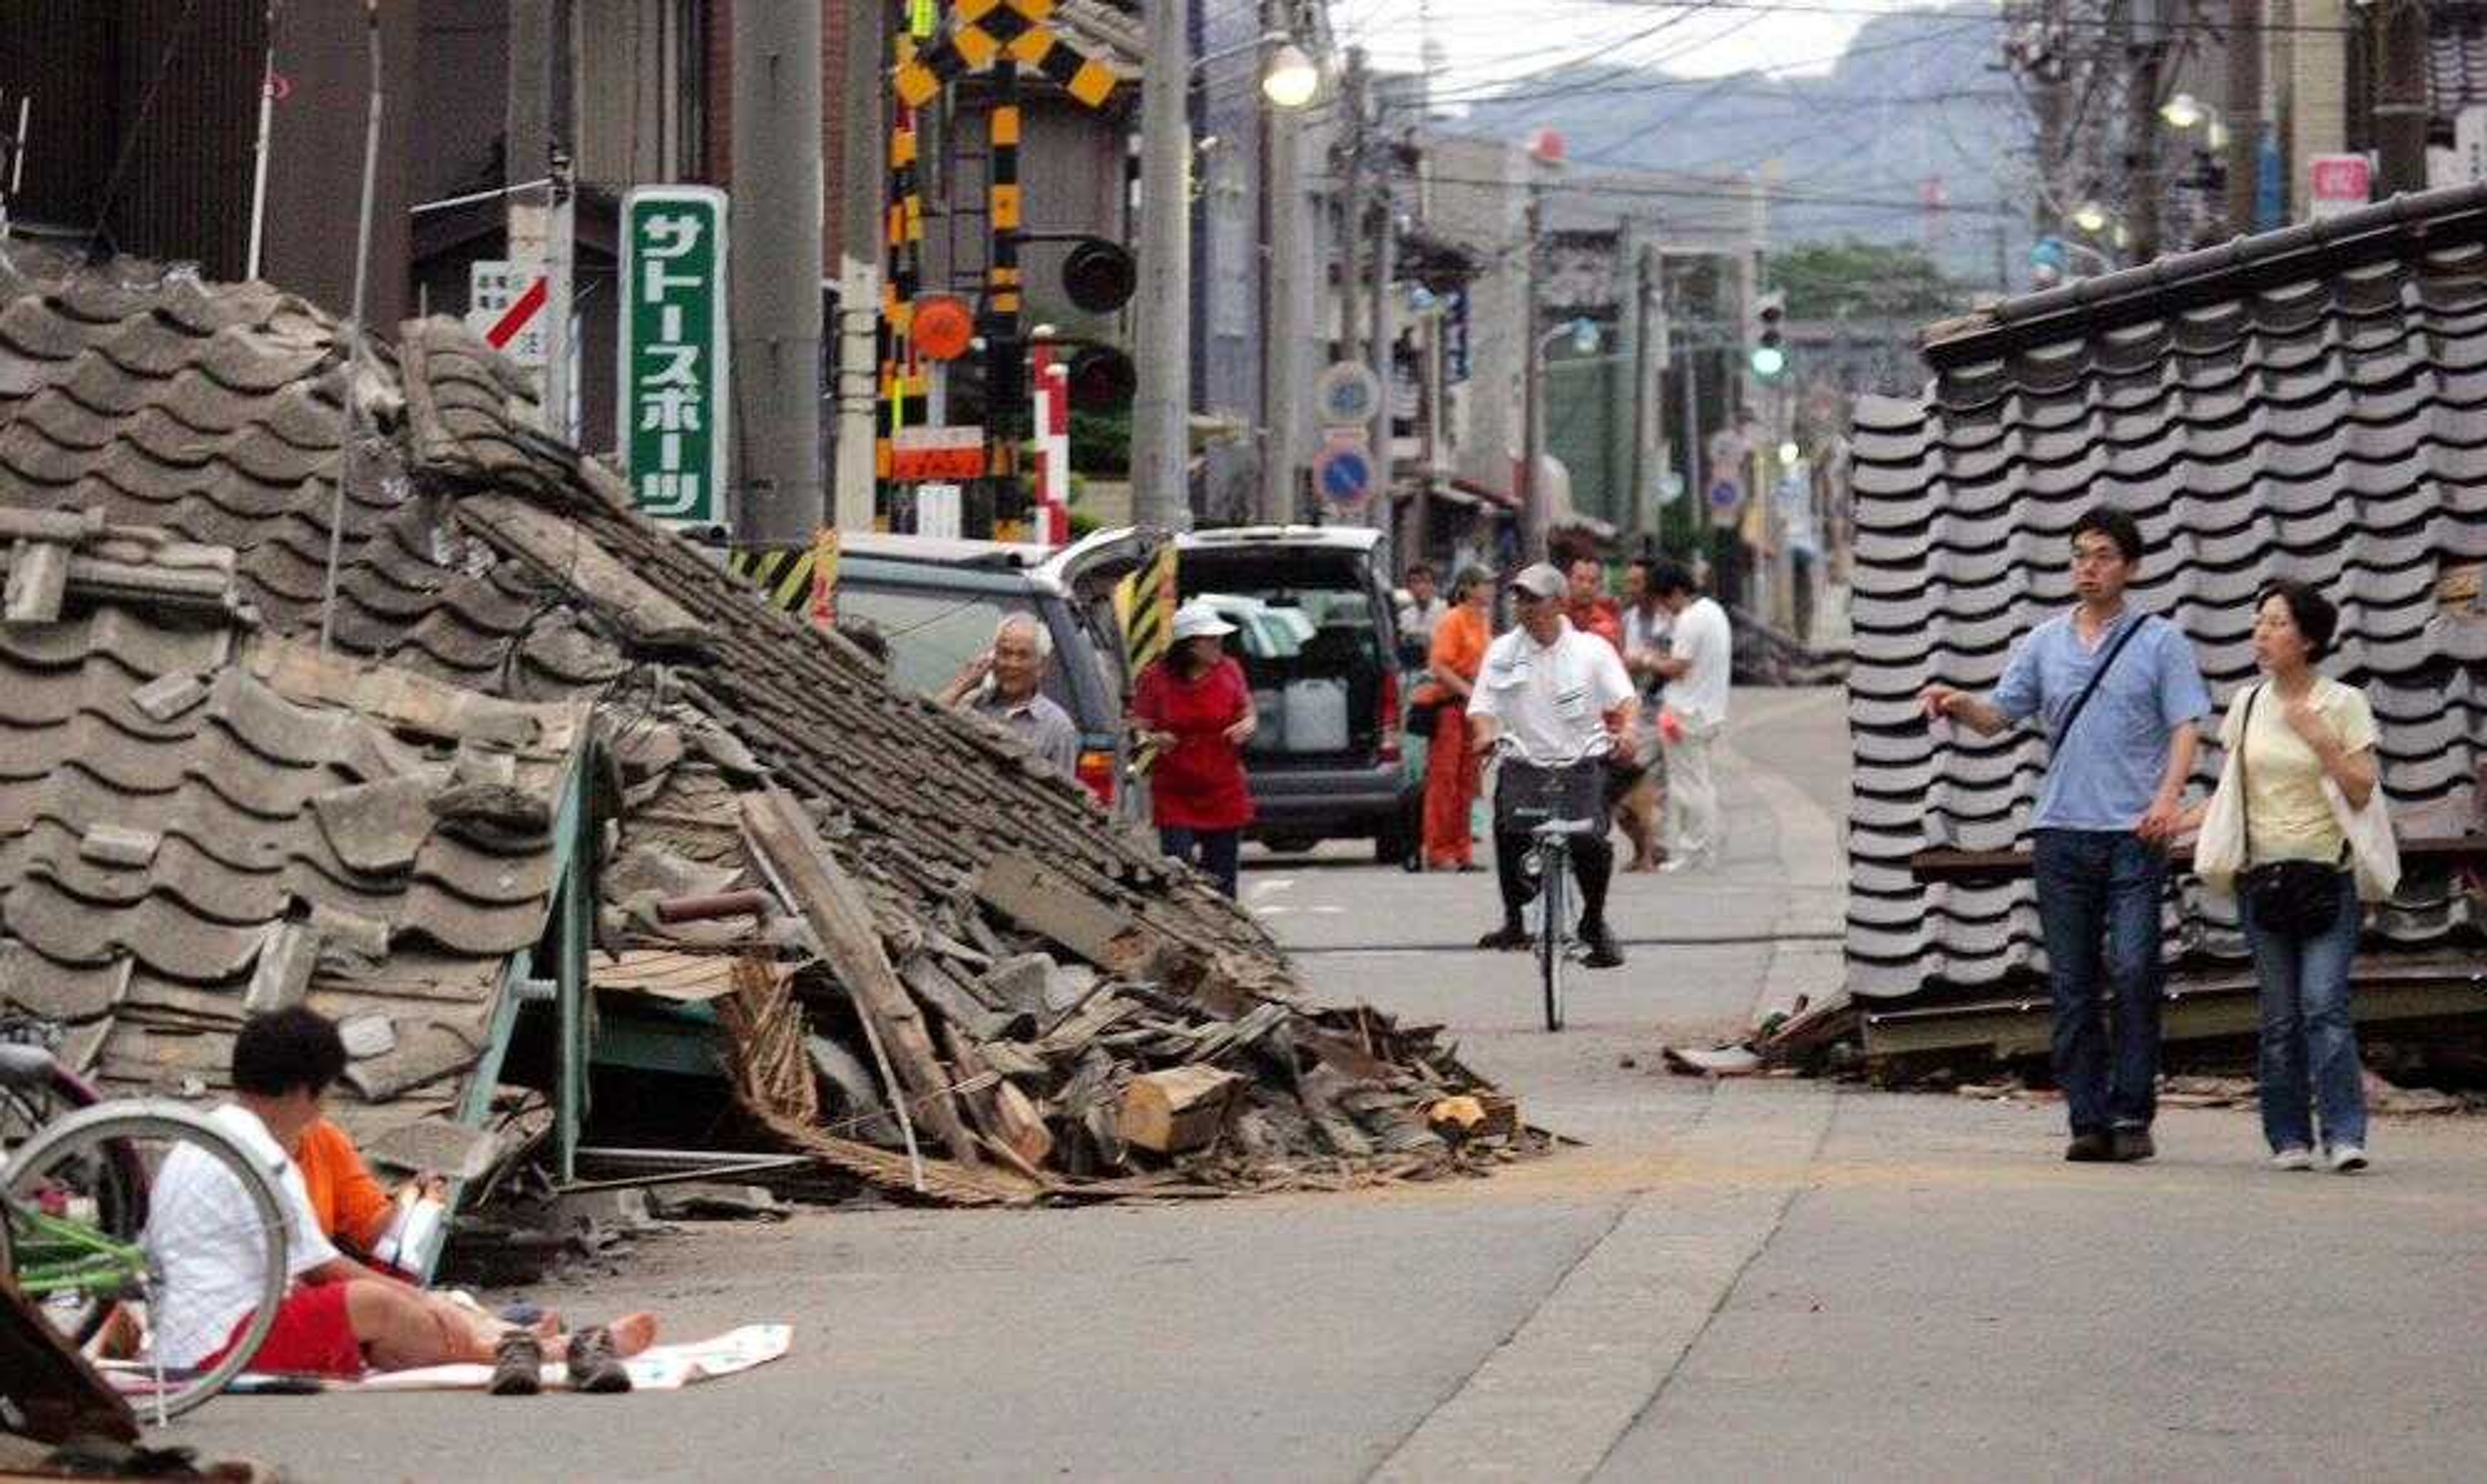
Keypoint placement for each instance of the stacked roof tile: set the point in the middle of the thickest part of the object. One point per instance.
(2308, 403)
(198, 819)
(473, 548)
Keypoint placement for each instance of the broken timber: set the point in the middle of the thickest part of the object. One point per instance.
(840, 919)
(1179, 1108)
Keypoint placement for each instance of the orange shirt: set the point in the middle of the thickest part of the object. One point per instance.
(350, 1205)
(1598, 617)
(1460, 641)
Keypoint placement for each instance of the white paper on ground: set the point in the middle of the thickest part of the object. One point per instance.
(657, 1368)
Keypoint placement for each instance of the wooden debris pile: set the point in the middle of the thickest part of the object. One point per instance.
(1066, 1055)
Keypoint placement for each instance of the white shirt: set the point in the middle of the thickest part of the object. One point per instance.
(1703, 638)
(202, 1232)
(1417, 619)
(1551, 700)
(1646, 631)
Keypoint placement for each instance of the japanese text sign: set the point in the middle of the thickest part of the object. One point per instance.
(673, 371)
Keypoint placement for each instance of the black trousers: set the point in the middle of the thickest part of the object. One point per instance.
(1593, 864)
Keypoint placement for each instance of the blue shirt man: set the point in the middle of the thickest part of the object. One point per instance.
(2106, 812)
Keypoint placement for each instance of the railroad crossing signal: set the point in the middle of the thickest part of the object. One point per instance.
(983, 30)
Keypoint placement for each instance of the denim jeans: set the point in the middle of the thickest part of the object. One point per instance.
(2307, 1028)
(1213, 851)
(2099, 894)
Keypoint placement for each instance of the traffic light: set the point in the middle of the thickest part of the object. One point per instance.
(1100, 276)
(1769, 341)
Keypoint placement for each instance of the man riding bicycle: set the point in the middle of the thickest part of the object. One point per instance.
(1557, 699)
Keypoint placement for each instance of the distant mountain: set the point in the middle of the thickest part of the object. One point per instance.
(1914, 106)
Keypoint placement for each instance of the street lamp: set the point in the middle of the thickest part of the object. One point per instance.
(2182, 111)
(1583, 335)
(1291, 80)
(2090, 217)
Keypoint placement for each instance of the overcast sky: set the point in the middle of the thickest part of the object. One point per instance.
(1522, 42)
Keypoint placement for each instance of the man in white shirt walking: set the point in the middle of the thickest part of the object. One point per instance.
(1695, 670)
(1559, 699)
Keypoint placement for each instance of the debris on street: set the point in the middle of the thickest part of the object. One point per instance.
(538, 758)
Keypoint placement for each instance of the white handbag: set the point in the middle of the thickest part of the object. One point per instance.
(2219, 848)
(2374, 854)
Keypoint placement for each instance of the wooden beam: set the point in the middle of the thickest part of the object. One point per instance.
(839, 917)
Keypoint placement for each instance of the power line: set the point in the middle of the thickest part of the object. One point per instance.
(1718, 191)
(1954, 12)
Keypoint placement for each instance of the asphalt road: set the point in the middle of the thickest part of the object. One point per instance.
(1762, 1279)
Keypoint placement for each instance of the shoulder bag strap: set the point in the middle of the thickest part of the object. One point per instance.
(2105, 663)
(2245, 793)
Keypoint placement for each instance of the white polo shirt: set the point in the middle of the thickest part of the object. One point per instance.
(1704, 639)
(1551, 700)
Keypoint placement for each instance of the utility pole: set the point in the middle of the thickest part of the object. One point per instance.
(2399, 48)
(1354, 101)
(1384, 252)
(2144, 50)
(2050, 70)
(537, 169)
(776, 270)
(861, 183)
(1282, 308)
(1161, 409)
(2245, 113)
(1532, 432)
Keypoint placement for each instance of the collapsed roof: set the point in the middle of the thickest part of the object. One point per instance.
(2305, 403)
(474, 550)
(197, 819)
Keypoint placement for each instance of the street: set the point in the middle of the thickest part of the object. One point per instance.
(1769, 1279)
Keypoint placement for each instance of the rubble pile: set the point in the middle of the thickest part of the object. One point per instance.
(925, 959)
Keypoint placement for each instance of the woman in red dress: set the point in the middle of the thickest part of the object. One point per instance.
(1195, 706)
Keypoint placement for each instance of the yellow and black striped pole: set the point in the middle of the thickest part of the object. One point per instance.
(1006, 418)
(1144, 603)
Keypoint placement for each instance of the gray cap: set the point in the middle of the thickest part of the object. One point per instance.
(1541, 580)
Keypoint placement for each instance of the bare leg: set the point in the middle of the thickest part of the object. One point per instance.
(402, 1329)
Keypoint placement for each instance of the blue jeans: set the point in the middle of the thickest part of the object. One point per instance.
(1213, 851)
(2098, 904)
(2307, 1028)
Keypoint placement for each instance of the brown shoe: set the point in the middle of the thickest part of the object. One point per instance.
(595, 1365)
(518, 1365)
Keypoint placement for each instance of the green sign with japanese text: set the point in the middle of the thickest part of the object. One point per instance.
(672, 372)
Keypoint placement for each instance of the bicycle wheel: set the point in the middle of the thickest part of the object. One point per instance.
(1554, 932)
(79, 1236)
(29, 1107)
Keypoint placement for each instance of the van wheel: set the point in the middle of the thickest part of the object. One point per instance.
(1395, 845)
(1289, 844)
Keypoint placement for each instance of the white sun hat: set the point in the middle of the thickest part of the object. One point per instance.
(1197, 620)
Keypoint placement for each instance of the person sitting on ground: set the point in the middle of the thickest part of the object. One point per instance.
(339, 1317)
(1005, 686)
(354, 1208)
(1563, 700)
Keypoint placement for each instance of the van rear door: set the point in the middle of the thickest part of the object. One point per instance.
(1314, 640)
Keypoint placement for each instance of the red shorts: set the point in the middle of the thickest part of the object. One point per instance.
(313, 1336)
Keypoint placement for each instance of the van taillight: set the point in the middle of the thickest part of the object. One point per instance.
(1389, 716)
(1097, 771)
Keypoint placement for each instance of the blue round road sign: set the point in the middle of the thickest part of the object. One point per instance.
(1344, 472)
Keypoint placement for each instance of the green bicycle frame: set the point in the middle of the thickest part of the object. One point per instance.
(57, 1256)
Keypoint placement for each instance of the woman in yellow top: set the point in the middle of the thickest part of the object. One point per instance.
(2301, 730)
